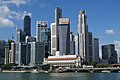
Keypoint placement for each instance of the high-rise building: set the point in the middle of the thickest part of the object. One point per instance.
(43, 35)
(6, 54)
(58, 14)
(20, 35)
(37, 53)
(109, 54)
(54, 31)
(27, 25)
(83, 36)
(54, 39)
(2, 48)
(90, 48)
(96, 50)
(12, 53)
(64, 36)
(28, 48)
(72, 44)
(20, 56)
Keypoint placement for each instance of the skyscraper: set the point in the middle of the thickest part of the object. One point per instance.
(54, 31)
(64, 36)
(54, 39)
(27, 25)
(12, 55)
(37, 53)
(72, 44)
(109, 54)
(43, 35)
(58, 14)
(96, 50)
(83, 36)
(90, 48)
(20, 35)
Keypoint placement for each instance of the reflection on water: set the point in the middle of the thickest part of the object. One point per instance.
(60, 76)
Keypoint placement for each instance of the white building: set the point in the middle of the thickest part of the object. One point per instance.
(64, 61)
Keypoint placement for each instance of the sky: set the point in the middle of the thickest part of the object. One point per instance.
(103, 16)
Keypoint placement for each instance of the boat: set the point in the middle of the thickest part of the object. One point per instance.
(34, 71)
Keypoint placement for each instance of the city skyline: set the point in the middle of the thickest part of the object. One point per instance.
(102, 20)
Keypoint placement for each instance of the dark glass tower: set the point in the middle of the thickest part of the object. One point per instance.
(27, 25)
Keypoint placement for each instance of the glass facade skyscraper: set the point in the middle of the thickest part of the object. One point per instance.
(64, 36)
(43, 35)
(27, 25)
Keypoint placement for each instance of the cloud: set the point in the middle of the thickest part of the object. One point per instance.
(6, 14)
(26, 13)
(16, 2)
(6, 23)
(110, 31)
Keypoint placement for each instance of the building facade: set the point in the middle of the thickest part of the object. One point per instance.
(72, 44)
(109, 54)
(43, 35)
(27, 25)
(96, 50)
(37, 53)
(83, 36)
(64, 36)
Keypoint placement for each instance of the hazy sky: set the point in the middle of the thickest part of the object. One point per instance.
(103, 16)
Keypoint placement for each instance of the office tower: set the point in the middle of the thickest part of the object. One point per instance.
(54, 31)
(90, 48)
(27, 25)
(64, 36)
(54, 39)
(83, 36)
(12, 53)
(58, 14)
(96, 50)
(28, 48)
(6, 54)
(2, 48)
(37, 53)
(109, 54)
(43, 35)
(76, 45)
(20, 35)
(72, 44)
(20, 58)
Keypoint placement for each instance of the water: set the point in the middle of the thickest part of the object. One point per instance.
(60, 76)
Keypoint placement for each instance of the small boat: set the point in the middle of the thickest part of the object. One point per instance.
(34, 71)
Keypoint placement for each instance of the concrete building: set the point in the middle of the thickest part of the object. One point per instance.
(96, 50)
(109, 54)
(54, 39)
(83, 36)
(27, 25)
(37, 53)
(64, 35)
(72, 44)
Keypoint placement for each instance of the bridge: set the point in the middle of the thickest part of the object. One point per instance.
(91, 70)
